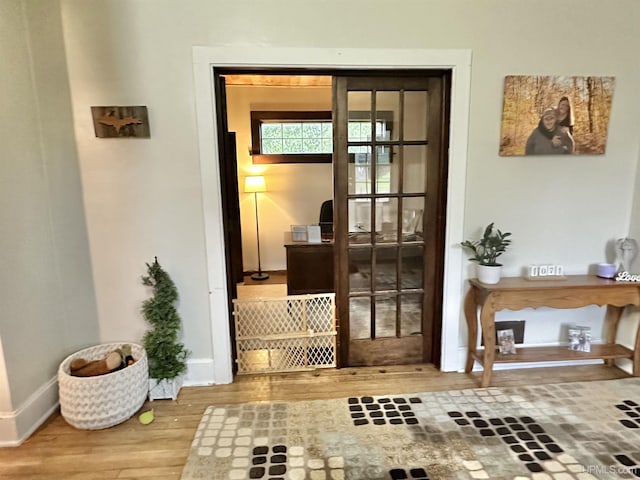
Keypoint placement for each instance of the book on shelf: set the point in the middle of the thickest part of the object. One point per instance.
(506, 342)
(580, 338)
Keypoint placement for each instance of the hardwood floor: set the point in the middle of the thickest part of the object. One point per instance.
(158, 451)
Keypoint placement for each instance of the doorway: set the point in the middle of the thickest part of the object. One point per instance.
(391, 172)
(207, 60)
(405, 273)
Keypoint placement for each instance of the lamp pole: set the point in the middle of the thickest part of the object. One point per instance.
(259, 275)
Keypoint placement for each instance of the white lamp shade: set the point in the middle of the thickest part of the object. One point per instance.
(254, 183)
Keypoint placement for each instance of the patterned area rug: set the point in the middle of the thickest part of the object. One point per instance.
(561, 432)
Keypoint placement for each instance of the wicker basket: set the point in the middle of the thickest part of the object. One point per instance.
(92, 403)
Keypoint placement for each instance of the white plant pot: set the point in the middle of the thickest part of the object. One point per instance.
(489, 273)
(164, 389)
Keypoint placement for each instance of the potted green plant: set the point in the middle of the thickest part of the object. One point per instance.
(486, 250)
(167, 356)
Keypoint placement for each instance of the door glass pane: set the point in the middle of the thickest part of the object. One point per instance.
(411, 318)
(359, 101)
(412, 266)
(385, 316)
(360, 181)
(387, 175)
(359, 220)
(387, 211)
(412, 209)
(387, 111)
(414, 164)
(415, 115)
(359, 318)
(386, 269)
(383, 171)
(359, 114)
(359, 270)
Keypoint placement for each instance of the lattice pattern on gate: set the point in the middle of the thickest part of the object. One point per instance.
(297, 332)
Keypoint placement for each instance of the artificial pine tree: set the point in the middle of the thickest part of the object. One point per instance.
(167, 356)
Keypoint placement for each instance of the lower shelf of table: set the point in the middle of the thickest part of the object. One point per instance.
(558, 354)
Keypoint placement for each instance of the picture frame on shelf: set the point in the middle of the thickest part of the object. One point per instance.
(579, 338)
(506, 342)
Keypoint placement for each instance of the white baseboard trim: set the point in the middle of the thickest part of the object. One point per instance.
(18, 425)
(200, 372)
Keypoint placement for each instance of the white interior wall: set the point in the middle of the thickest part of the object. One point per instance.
(294, 191)
(46, 288)
(144, 196)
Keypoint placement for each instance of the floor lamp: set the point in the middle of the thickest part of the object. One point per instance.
(254, 184)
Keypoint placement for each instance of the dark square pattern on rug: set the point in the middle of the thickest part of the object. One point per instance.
(565, 431)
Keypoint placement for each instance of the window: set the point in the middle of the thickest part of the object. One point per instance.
(291, 137)
(307, 137)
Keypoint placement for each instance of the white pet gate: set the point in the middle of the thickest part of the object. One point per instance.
(292, 333)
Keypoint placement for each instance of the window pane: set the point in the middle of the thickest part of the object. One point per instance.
(311, 130)
(327, 145)
(292, 145)
(271, 130)
(312, 145)
(291, 130)
(271, 145)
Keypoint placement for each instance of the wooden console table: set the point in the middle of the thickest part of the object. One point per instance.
(575, 291)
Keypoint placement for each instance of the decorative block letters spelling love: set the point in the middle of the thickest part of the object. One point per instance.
(627, 277)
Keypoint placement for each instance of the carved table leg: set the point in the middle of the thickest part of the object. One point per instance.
(487, 321)
(471, 314)
(611, 320)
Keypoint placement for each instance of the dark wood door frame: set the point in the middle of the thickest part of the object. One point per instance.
(230, 205)
(230, 197)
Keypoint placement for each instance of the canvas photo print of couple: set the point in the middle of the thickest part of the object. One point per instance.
(545, 115)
